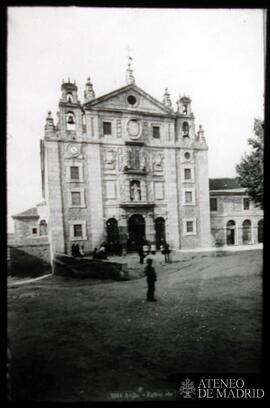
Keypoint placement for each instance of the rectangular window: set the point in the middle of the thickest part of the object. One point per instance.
(74, 173)
(156, 133)
(188, 196)
(75, 198)
(187, 174)
(246, 203)
(213, 204)
(77, 229)
(107, 128)
(189, 226)
(34, 231)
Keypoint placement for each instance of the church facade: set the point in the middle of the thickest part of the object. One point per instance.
(124, 167)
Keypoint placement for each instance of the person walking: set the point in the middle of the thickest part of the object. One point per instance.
(167, 252)
(141, 254)
(151, 278)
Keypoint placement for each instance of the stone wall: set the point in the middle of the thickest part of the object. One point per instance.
(41, 251)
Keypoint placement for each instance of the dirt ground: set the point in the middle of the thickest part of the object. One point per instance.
(75, 340)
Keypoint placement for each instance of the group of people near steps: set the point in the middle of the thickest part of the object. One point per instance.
(151, 276)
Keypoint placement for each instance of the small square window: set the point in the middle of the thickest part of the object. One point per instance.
(77, 229)
(74, 173)
(34, 231)
(187, 174)
(75, 198)
(213, 204)
(188, 196)
(189, 226)
(246, 203)
(107, 128)
(156, 132)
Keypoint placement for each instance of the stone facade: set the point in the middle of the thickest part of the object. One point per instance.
(125, 167)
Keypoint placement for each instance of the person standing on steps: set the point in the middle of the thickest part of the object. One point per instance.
(151, 278)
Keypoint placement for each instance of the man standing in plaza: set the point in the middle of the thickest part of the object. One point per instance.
(151, 278)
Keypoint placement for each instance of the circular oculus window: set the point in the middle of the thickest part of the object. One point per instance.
(187, 155)
(74, 149)
(132, 100)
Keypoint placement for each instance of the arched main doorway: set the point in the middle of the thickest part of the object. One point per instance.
(260, 231)
(160, 231)
(247, 232)
(136, 231)
(230, 232)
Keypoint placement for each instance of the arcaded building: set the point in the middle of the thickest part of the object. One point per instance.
(124, 167)
(235, 219)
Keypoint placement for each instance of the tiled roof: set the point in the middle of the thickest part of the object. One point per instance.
(31, 212)
(224, 183)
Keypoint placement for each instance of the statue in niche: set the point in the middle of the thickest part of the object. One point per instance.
(135, 191)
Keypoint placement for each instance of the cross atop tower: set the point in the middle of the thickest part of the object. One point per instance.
(128, 50)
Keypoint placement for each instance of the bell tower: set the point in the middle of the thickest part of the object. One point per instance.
(185, 128)
(70, 110)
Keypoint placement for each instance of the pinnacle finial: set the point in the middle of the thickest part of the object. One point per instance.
(89, 93)
(166, 99)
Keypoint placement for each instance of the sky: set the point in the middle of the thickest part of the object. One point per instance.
(215, 56)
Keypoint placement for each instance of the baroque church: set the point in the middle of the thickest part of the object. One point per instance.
(125, 167)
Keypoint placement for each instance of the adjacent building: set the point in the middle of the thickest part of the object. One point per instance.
(235, 220)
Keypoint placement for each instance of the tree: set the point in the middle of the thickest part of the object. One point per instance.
(250, 169)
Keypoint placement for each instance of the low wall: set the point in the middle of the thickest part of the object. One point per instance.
(28, 261)
(38, 250)
(71, 267)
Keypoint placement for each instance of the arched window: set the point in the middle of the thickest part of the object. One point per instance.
(230, 232)
(112, 231)
(185, 129)
(260, 231)
(70, 121)
(69, 97)
(185, 109)
(43, 228)
(247, 232)
(135, 190)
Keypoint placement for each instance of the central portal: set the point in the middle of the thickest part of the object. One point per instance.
(136, 232)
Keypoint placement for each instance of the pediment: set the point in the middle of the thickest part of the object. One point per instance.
(132, 98)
